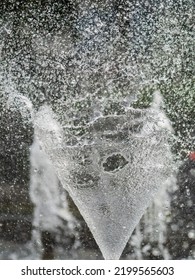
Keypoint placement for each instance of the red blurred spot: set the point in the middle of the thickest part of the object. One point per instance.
(192, 156)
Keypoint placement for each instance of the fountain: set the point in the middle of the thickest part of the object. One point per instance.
(74, 72)
(112, 170)
(119, 162)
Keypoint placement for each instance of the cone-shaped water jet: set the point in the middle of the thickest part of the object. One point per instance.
(112, 170)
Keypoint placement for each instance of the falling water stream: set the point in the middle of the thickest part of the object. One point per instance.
(51, 212)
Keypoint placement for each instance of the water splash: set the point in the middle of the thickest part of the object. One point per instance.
(111, 200)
